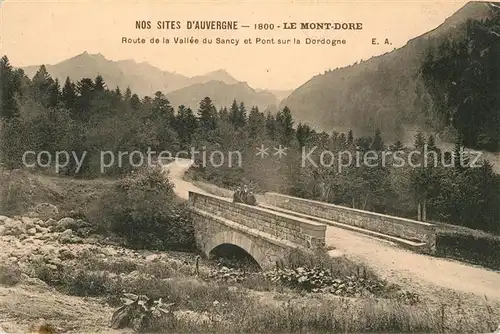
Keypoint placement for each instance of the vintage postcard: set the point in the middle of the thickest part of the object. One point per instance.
(249, 166)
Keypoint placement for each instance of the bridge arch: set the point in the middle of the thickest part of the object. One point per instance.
(240, 240)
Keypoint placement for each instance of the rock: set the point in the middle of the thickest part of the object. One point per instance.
(42, 326)
(52, 266)
(10, 327)
(48, 223)
(28, 241)
(28, 222)
(65, 236)
(41, 229)
(44, 211)
(2, 230)
(152, 257)
(335, 253)
(13, 227)
(66, 223)
(109, 251)
(66, 254)
(84, 231)
(43, 236)
(198, 319)
(26, 280)
(3, 218)
(80, 223)
(32, 231)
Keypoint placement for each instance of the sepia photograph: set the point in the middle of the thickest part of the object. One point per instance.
(249, 166)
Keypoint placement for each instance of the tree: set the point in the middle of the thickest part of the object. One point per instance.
(100, 85)
(350, 138)
(377, 143)
(242, 115)
(431, 144)
(185, 125)
(397, 146)
(10, 89)
(69, 94)
(207, 115)
(128, 94)
(256, 123)
(304, 134)
(54, 94)
(162, 109)
(118, 92)
(224, 114)
(419, 141)
(237, 115)
(42, 88)
(284, 122)
(271, 126)
(135, 102)
(85, 90)
(233, 113)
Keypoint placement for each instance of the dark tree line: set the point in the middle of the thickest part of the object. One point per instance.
(463, 77)
(87, 116)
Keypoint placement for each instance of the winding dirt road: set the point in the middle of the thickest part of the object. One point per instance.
(425, 274)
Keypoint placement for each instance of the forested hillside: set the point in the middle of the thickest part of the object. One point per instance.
(87, 117)
(439, 81)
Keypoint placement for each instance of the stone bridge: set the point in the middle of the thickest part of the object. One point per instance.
(281, 223)
(263, 233)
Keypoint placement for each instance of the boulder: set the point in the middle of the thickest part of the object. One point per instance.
(44, 211)
(28, 222)
(31, 231)
(153, 257)
(14, 227)
(109, 251)
(65, 223)
(42, 326)
(65, 236)
(27, 280)
(48, 223)
(66, 254)
(41, 229)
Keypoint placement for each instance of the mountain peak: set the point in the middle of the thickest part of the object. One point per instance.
(86, 55)
(472, 10)
(217, 75)
(219, 71)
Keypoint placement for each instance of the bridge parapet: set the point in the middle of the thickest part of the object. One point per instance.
(394, 226)
(298, 231)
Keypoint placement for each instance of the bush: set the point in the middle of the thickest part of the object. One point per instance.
(474, 248)
(10, 275)
(338, 266)
(143, 209)
(319, 272)
(15, 192)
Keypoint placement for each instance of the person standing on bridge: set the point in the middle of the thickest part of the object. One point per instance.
(250, 198)
(237, 198)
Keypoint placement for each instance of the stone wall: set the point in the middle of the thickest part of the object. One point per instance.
(394, 226)
(298, 231)
(212, 231)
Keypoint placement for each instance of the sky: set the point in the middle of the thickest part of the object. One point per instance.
(47, 32)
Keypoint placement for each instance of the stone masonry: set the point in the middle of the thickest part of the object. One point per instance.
(394, 226)
(264, 234)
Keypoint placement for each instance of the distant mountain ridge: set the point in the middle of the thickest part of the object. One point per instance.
(145, 79)
(222, 94)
